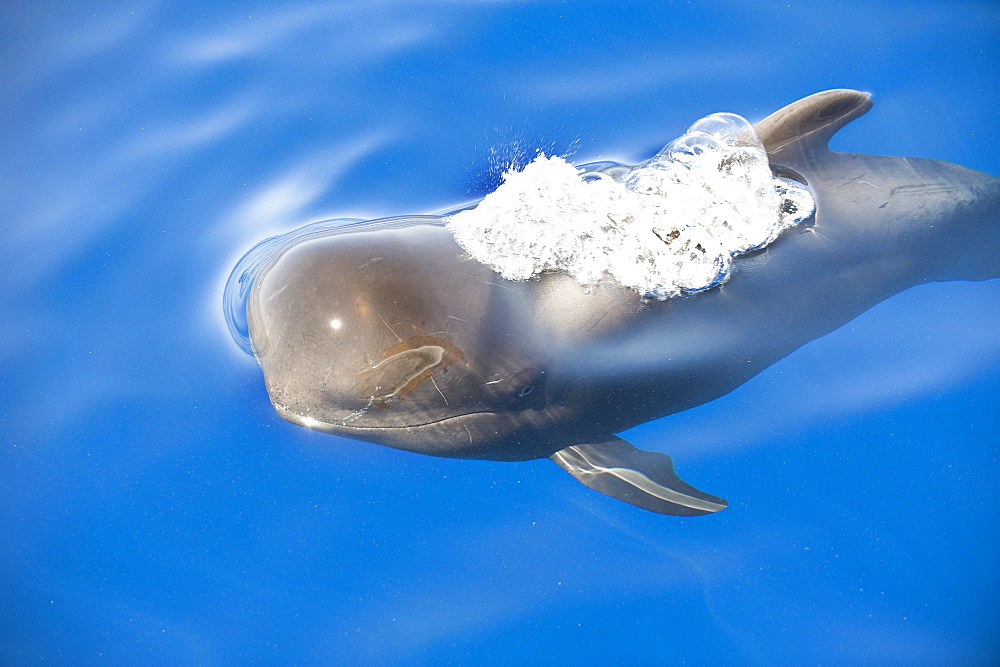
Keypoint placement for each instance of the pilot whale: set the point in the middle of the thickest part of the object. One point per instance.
(387, 332)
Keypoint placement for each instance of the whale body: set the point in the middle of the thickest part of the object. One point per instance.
(387, 332)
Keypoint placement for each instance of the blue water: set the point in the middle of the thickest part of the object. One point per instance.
(155, 510)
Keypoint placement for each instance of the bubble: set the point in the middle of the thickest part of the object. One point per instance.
(796, 204)
(727, 128)
(670, 225)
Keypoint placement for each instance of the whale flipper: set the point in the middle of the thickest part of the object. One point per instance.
(641, 478)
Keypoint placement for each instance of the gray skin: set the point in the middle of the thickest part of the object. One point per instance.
(388, 332)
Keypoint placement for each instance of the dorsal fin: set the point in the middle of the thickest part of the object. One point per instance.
(806, 126)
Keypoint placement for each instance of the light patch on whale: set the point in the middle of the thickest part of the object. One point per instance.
(669, 225)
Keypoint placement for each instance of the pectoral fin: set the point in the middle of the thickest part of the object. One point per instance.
(644, 479)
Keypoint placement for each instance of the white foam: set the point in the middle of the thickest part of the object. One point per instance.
(669, 225)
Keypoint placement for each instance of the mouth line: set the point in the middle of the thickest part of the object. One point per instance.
(430, 423)
(311, 422)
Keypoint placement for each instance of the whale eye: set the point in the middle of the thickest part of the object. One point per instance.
(526, 386)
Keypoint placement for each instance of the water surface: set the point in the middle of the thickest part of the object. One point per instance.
(156, 510)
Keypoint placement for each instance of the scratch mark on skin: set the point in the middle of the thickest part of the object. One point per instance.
(357, 413)
(594, 324)
(452, 317)
(434, 382)
(389, 328)
(506, 287)
(871, 184)
(469, 432)
(274, 296)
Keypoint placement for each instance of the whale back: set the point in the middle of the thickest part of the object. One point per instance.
(937, 217)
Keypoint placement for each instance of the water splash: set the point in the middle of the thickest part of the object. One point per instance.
(666, 226)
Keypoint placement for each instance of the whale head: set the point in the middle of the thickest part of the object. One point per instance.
(356, 337)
